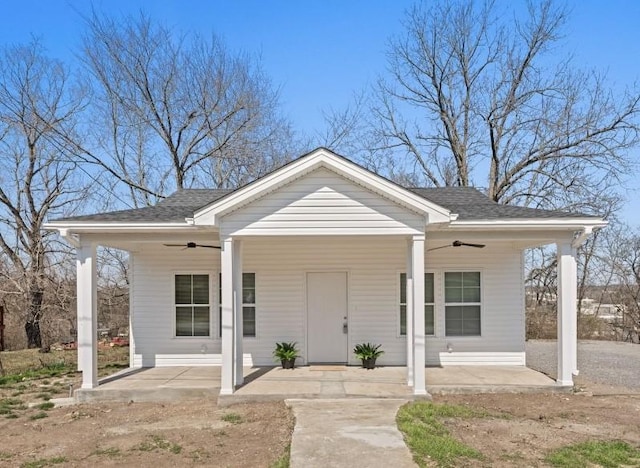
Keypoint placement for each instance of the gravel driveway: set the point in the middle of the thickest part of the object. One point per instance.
(607, 364)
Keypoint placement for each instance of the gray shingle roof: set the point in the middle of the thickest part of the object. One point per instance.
(469, 203)
(173, 209)
(472, 205)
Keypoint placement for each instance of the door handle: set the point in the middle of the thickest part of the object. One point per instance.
(345, 326)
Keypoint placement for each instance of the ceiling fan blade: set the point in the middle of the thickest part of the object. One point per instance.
(467, 244)
(192, 245)
(441, 247)
(457, 243)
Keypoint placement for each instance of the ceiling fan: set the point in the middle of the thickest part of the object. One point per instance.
(192, 245)
(458, 243)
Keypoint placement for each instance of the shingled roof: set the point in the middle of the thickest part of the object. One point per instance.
(469, 203)
(472, 205)
(173, 209)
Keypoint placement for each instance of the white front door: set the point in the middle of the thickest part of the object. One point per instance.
(327, 317)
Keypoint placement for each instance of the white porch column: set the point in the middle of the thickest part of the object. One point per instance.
(87, 309)
(227, 332)
(237, 312)
(409, 312)
(417, 255)
(567, 313)
(132, 286)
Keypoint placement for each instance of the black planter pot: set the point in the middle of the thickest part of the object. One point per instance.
(288, 363)
(369, 363)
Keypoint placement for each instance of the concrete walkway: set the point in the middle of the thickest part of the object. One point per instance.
(334, 433)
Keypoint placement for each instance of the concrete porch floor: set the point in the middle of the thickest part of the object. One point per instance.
(273, 383)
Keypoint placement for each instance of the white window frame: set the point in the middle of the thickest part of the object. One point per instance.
(399, 303)
(210, 305)
(480, 304)
(254, 305)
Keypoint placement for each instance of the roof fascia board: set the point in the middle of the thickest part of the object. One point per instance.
(84, 226)
(315, 160)
(551, 223)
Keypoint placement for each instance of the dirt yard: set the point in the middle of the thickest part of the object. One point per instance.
(515, 430)
(523, 429)
(35, 434)
(146, 434)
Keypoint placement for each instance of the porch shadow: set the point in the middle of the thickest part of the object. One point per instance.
(253, 373)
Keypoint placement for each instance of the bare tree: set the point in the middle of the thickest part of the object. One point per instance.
(473, 98)
(620, 260)
(177, 111)
(37, 104)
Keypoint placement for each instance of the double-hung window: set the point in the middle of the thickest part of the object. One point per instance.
(248, 304)
(192, 306)
(429, 322)
(462, 297)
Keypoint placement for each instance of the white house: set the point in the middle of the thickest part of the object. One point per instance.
(326, 253)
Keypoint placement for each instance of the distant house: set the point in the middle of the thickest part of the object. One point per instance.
(328, 254)
(606, 312)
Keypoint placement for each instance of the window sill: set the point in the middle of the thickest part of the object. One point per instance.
(204, 338)
(463, 337)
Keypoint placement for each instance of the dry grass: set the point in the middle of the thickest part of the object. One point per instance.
(26, 360)
(33, 377)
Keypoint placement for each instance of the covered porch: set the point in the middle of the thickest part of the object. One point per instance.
(274, 383)
(410, 357)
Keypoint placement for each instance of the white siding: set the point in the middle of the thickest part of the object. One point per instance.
(373, 265)
(152, 319)
(323, 203)
(502, 315)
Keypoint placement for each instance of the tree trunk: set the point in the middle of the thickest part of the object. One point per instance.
(32, 326)
(1, 330)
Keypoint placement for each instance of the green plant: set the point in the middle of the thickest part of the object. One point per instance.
(285, 351)
(45, 406)
(157, 442)
(9, 405)
(596, 453)
(232, 418)
(39, 415)
(109, 452)
(367, 351)
(44, 462)
(285, 460)
(429, 440)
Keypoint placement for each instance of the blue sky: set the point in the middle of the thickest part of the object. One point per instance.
(320, 52)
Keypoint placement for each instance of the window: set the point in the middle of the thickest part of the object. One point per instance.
(462, 303)
(248, 304)
(429, 324)
(192, 305)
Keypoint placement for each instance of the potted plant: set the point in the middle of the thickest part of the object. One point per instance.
(368, 353)
(286, 353)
